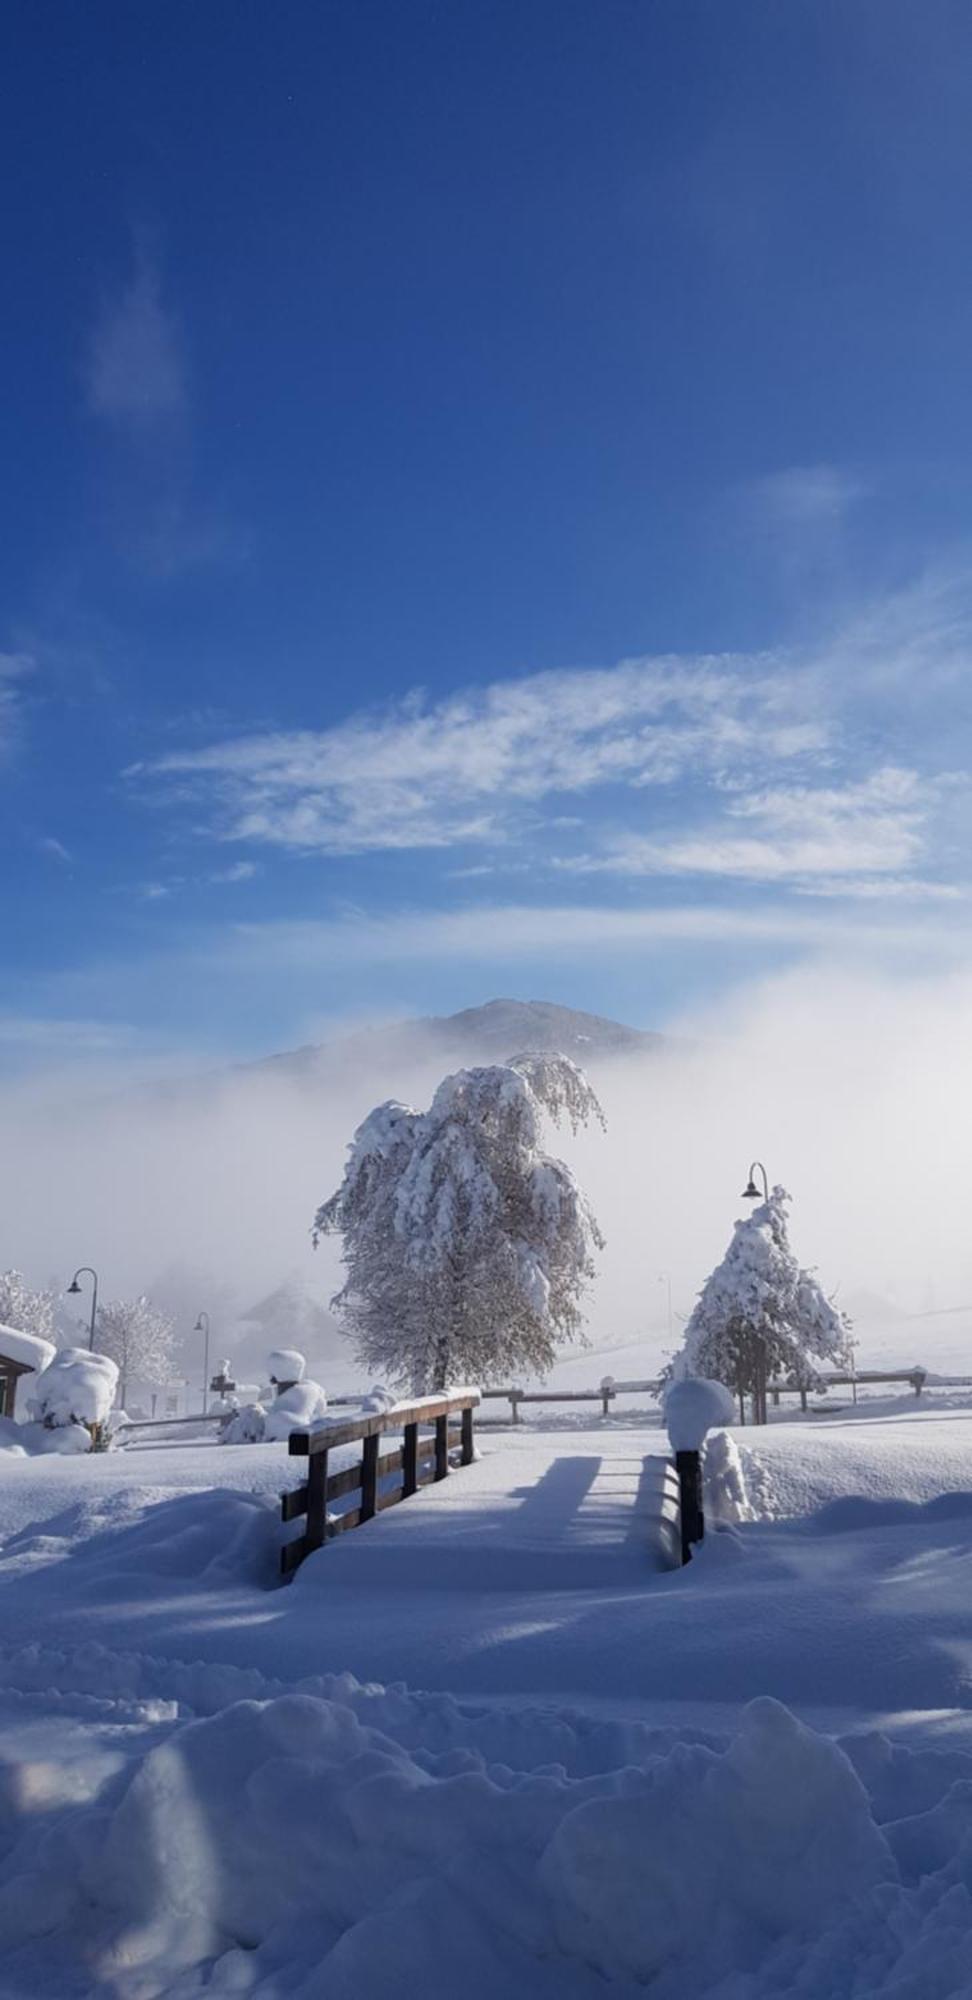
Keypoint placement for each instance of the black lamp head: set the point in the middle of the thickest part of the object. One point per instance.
(73, 1286)
(750, 1191)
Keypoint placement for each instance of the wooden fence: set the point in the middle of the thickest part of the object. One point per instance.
(419, 1459)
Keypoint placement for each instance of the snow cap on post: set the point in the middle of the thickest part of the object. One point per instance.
(694, 1406)
(285, 1364)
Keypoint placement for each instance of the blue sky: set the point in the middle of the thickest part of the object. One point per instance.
(487, 507)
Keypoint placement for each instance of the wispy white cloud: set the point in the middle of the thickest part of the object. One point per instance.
(801, 767)
(14, 669)
(873, 828)
(464, 770)
(807, 496)
(55, 849)
(135, 368)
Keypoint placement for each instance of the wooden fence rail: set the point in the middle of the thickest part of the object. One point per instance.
(419, 1459)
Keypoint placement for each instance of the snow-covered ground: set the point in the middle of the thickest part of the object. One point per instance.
(489, 1732)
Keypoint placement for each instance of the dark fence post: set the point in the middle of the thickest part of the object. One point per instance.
(316, 1500)
(410, 1461)
(918, 1380)
(441, 1447)
(369, 1477)
(468, 1448)
(688, 1465)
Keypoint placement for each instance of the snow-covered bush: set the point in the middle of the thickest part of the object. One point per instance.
(76, 1388)
(378, 1400)
(247, 1426)
(467, 1247)
(292, 1411)
(285, 1364)
(759, 1313)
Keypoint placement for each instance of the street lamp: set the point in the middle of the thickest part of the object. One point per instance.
(665, 1278)
(85, 1270)
(750, 1191)
(202, 1326)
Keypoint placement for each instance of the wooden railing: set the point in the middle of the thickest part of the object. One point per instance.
(420, 1460)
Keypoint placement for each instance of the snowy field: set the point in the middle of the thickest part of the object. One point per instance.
(490, 1729)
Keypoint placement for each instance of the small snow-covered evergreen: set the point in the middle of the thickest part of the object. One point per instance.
(760, 1314)
(467, 1247)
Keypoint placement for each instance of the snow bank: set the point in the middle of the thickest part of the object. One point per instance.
(75, 1388)
(286, 1845)
(296, 1408)
(285, 1364)
(693, 1406)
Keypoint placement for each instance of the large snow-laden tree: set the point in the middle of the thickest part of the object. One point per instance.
(760, 1314)
(467, 1247)
(27, 1310)
(139, 1339)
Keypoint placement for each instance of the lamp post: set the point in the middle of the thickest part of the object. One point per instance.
(85, 1270)
(202, 1326)
(665, 1278)
(751, 1193)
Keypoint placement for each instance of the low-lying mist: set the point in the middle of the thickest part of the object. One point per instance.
(855, 1091)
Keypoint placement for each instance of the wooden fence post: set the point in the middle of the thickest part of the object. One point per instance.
(688, 1465)
(316, 1500)
(441, 1447)
(410, 1461)
(369, 1477)
(468, 1448)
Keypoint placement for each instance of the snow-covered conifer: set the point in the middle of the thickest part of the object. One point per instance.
(25, 1309)
(467, 1247)
(760, 1314)
(139, 1339)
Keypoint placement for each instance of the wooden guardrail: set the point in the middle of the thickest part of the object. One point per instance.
(420, 1460)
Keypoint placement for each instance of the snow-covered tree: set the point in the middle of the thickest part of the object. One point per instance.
(27, 1310)
(467, 1247)
(760, 1314)
(139, 1339)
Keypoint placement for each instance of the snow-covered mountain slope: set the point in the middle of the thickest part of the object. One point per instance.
(490, 1033)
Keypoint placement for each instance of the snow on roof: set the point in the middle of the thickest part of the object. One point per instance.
(27, 1349)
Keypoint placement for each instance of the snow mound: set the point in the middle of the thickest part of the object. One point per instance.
(294, 1410)
(75, 1388)
(287, 1845)
(378, 1399)
(248, 1426)
(285, 1364)
(693, 1406)
(727, 1498)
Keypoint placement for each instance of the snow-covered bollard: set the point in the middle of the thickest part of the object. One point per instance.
(692, 1407)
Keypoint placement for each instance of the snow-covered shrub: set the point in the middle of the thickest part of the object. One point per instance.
(285, 1364)
(246, 1426)
(76, 1388)
(293, 1410)
(378, 1399)
(467, 1247)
